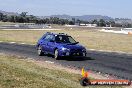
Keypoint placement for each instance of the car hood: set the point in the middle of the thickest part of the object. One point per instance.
(72, 46)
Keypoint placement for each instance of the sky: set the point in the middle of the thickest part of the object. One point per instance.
(112, 8)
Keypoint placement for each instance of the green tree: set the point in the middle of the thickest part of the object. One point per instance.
(94, 22)
(1, 16)
(12, 19)
(102, 23)
(32, 19)
(23, 14)
(74, 21)
(71, 23)
(112, 23)
(5, 18)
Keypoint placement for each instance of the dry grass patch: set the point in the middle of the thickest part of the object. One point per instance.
(90, 39)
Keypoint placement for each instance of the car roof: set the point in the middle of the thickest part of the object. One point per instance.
(57, 34)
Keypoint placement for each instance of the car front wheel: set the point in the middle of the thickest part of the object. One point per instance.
(56, 54)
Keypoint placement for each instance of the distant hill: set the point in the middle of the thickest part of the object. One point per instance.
(8, 13)
(123, 20)
(93, 17)
(84, 17)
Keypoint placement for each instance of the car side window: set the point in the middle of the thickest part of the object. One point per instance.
(49, 37)
(52, 37)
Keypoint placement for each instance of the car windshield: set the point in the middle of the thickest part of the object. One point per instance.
(64, 39)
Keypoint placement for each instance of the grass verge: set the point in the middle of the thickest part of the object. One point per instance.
(16, 72)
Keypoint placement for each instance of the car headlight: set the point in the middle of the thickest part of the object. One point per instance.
(65, 49)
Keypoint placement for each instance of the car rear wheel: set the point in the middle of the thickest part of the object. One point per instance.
(40, 53)
(56, 54)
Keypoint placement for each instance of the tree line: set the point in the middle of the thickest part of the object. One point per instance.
(24, 18)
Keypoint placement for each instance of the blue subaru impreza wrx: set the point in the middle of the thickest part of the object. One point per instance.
(59, 45)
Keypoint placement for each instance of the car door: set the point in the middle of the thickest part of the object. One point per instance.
(44, 43)
(51, 44)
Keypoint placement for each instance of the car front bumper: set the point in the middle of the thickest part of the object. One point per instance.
(72, 54)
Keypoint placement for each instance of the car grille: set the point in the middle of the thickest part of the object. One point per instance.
(76, 54)
(76, 50)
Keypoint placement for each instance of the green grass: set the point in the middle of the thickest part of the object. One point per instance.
(19, 73)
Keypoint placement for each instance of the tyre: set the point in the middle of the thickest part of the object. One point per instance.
(56, 54)
(40, 53)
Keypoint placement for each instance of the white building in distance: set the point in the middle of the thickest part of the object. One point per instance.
(89, 25)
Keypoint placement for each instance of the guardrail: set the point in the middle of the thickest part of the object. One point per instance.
(25, 26)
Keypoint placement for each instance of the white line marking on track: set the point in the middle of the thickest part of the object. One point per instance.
(91, 49)
(12, 42)
(49, 62)
(1, 41)
(23, 43)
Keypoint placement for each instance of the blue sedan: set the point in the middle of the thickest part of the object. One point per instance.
(60, 45)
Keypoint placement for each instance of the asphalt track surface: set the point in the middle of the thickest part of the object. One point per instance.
(114, 64)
